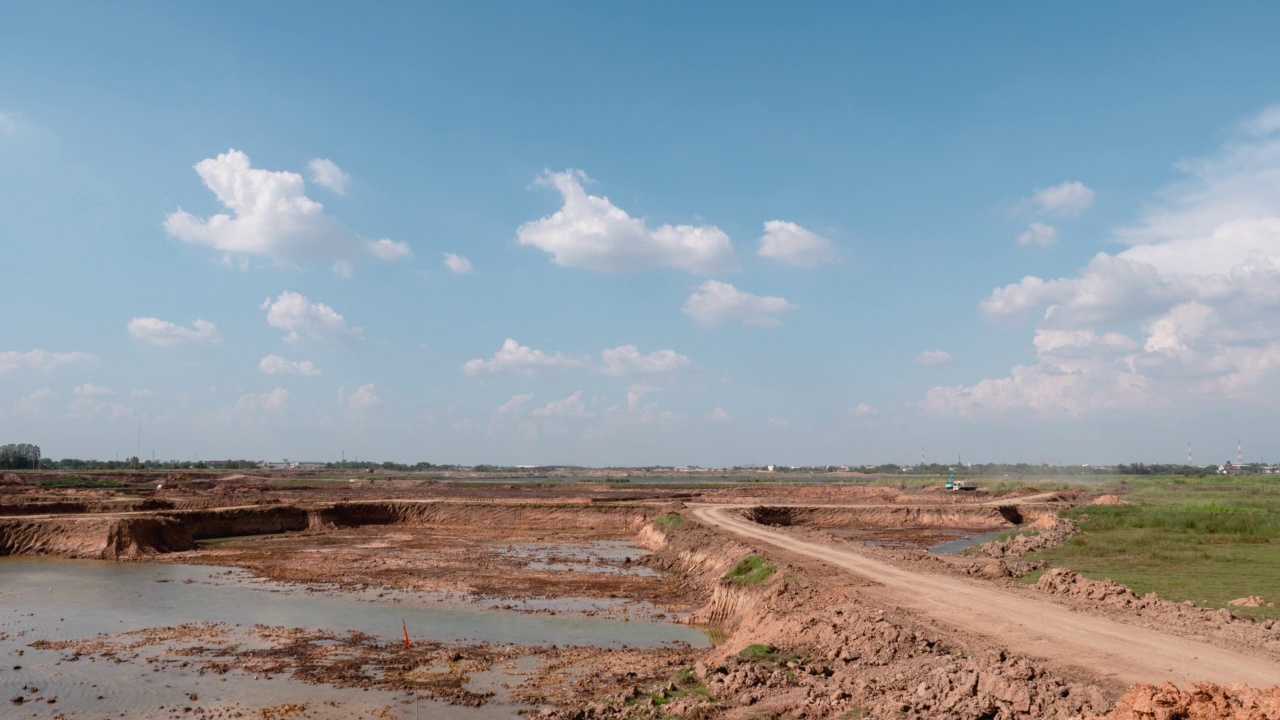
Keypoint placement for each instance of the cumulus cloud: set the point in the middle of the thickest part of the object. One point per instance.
(388, 249)
(718, 415)
(42, 360)
(167, 334)
(621, 361)
(363, 398)
(300, 318)
(326, 173)
(517, 358)
(270, 216)
(8, 125)
(591, 232)
(91, 390)
(1187, 315)
(256, 405)
(933, 357)
(863, 410)
(627, 360)
(570, 407)
(779, 424)
(457, 264)
(716, 303)
(1039, 234)
(787, 242)
(1069, 198)
(515, 404)
(31, 404)
(276, 365)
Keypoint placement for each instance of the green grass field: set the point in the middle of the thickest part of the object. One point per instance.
(1208, 539)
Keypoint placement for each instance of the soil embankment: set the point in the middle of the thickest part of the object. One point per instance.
(133, 534)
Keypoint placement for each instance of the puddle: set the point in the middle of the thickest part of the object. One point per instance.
(600, 556)
(955, 546)
(50, 599)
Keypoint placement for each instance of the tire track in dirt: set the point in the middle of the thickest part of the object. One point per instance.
(1101, 647)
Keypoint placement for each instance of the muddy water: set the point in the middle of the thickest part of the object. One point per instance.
(604, 556)
(47, 599)
(960, 544)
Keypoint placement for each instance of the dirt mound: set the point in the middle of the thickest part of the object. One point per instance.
(10, 479)
(1251, 601)
(1047, 531)
(1201, 701)
(1109, 500)
(1183, 618)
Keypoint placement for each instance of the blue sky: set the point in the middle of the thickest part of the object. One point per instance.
(734, 233)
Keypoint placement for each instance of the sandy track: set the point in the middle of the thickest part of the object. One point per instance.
(1040, 629)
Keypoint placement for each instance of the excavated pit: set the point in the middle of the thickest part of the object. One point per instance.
(111, 536)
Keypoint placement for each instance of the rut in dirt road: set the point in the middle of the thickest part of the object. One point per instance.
(1040, 629)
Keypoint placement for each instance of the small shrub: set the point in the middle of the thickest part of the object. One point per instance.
(751, 570)
(669, 522)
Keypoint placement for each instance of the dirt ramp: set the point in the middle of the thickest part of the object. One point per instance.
(95, 538)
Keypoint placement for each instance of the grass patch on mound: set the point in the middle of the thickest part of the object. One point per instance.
(1209, 539)
(684, 684)
(669, 522)
(768, 654)
(751, 570)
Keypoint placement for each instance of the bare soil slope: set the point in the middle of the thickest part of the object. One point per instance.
(1060, 636)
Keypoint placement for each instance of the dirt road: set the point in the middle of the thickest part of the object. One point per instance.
(1040, 629)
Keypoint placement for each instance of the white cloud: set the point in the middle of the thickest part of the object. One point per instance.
(514, 357)
(299, 318)
(718, 415)
(326, 173)
(362, 399)
(779, 424)
(933, 357)
(1069, 198)
(8, 125)
(515, 404)
(570, 407)
(627, 360)
(388, 249)
(276, 365)
(1039, 234)
(256, 405)
(271, 217)
(621, 361)
(1199, 285)
(42, 360)
(591, 232)
(91, 390)
(167, 334)
(787, 242)
(863, 410)
(717, 303)
(457, 264)
(32, 403)
(140, 393)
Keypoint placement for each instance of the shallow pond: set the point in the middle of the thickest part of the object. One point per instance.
(47, 599)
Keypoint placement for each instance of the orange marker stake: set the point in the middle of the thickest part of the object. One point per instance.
(406, 633)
